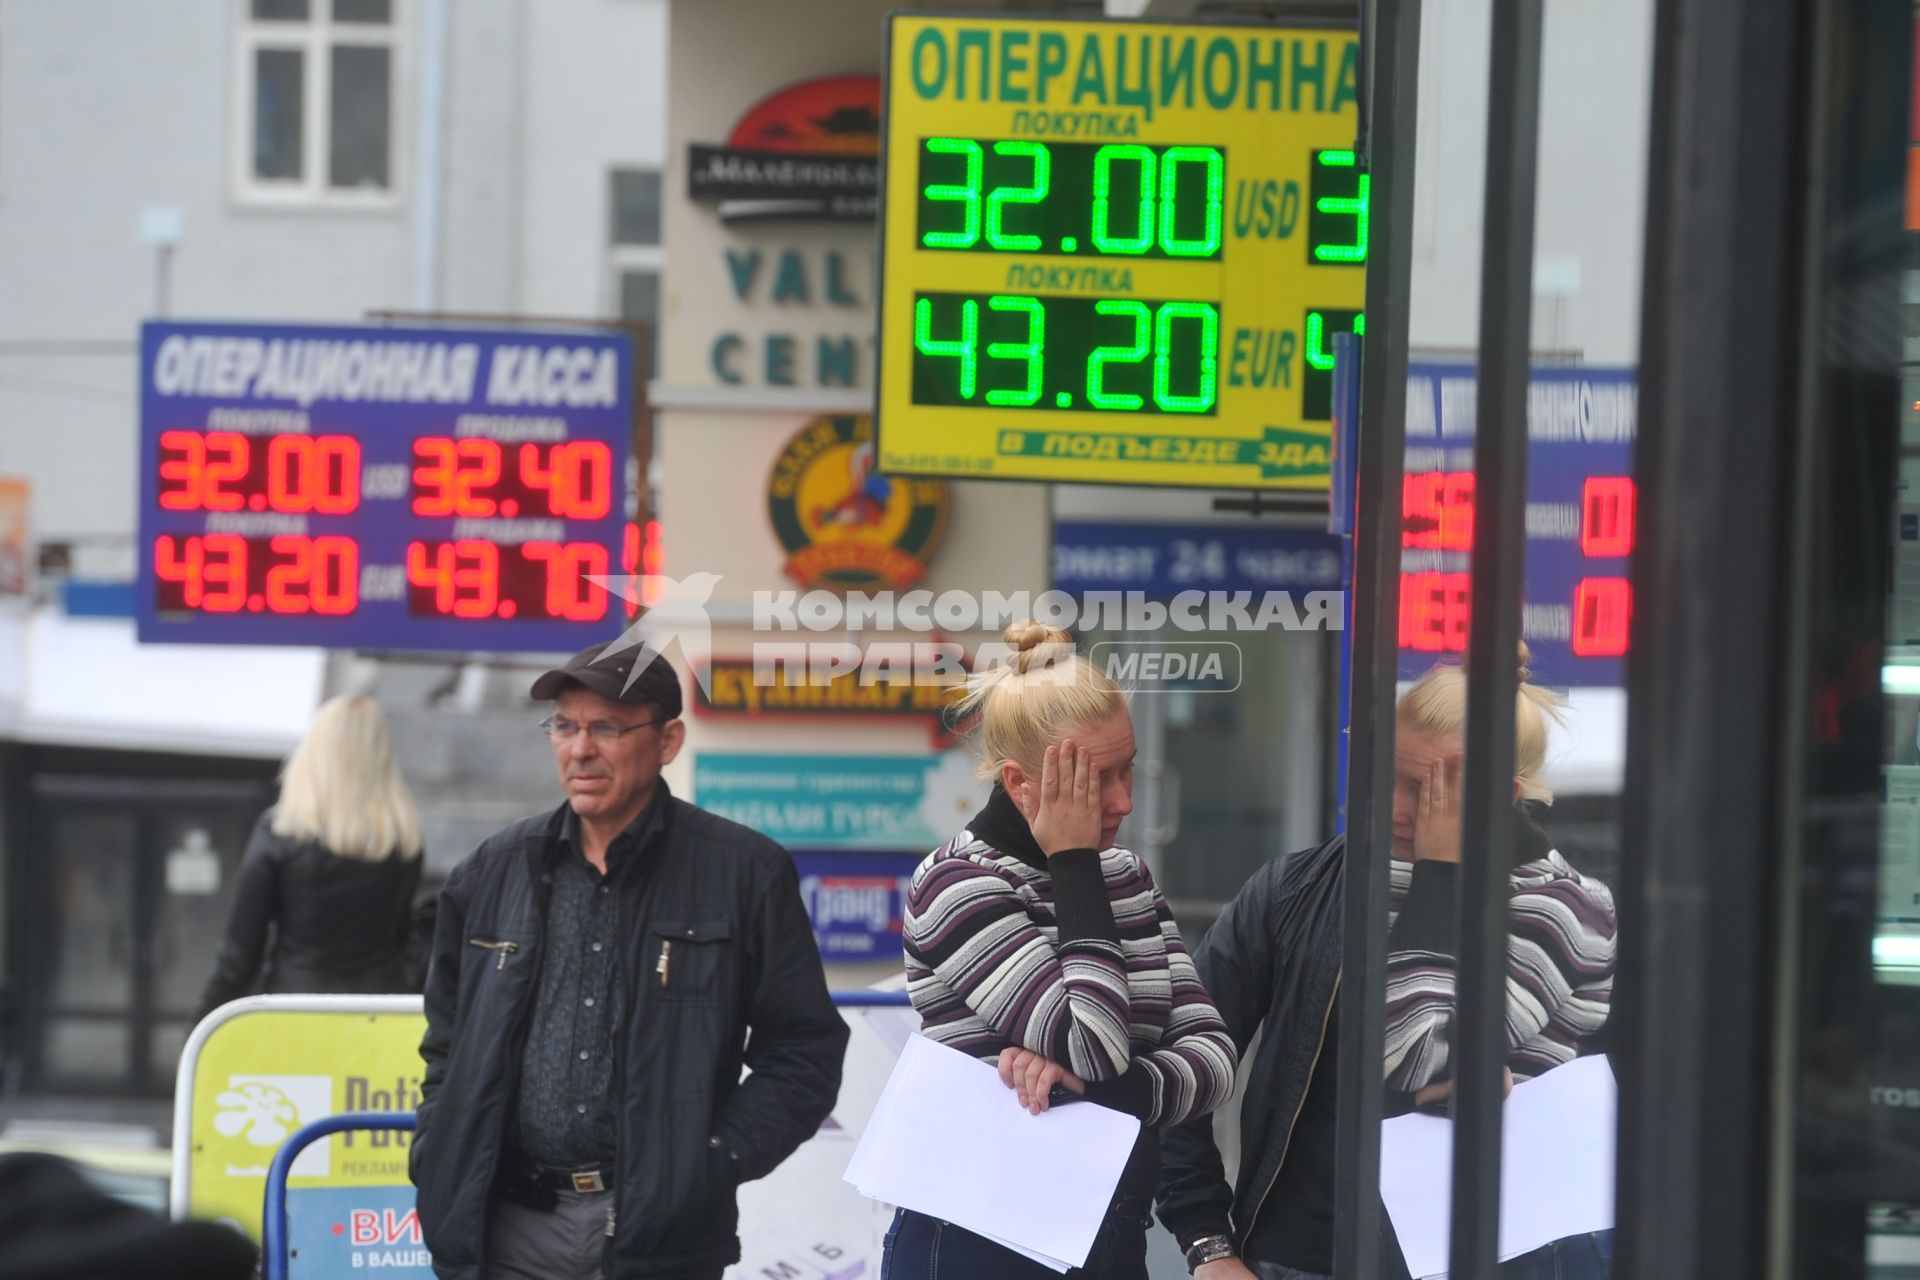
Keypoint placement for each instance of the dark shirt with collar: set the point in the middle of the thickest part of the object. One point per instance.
(564, 1114)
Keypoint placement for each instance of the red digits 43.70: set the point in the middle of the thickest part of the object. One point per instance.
(464, 576)
(569, 594)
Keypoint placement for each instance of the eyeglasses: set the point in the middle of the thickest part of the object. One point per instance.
(604, 733)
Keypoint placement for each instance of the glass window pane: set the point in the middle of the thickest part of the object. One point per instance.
(640, 300)
(87, 1051)
(374, 11)
(280, 10)
(636, 206)
(640, 296)
(200, 848)
(362, 116)
(279, 114)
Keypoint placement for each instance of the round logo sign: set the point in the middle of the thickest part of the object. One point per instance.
(844, 526)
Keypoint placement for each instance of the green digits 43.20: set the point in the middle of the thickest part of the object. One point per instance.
(1030, 351)
(1102, 356)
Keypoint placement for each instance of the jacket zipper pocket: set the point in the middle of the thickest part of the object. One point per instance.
(504, 949)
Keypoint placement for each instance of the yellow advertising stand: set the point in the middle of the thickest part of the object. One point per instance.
(258, 1070)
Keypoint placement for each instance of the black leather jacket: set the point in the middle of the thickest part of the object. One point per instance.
(338, 925)
(1272, 964)
(689, 1128)
(1272, 960)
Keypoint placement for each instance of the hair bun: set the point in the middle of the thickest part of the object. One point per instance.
(1033, 642)
(1525, 671)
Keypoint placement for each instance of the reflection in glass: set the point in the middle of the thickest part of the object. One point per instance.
(379, 12)
(636, 206)
(279, 114)
(87, 1051)
(280, 10)
(362, 116)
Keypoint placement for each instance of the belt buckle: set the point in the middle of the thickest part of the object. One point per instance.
(590, 1181)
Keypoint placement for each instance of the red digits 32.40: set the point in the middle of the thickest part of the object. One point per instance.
(447, 472)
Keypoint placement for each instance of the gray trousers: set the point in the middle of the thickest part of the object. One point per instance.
(568, 1244)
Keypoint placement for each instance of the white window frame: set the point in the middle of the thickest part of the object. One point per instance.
(314, 40)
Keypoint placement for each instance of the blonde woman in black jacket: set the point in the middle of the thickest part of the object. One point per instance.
(324, 895)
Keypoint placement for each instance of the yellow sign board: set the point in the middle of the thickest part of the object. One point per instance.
(1117, 252)
(264, 1073)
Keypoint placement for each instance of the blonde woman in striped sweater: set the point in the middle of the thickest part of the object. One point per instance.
(1033, 943)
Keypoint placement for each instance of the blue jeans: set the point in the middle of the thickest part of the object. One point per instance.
(923, 1248)
(1274, 1271)
(1574, 1258)
(1588, 1257)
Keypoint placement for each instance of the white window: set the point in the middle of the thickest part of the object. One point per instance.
(633, 220)
(318, 118)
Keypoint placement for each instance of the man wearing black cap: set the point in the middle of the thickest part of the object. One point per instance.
(600, 976)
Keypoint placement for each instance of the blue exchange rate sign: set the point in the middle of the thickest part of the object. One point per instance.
(380, 488)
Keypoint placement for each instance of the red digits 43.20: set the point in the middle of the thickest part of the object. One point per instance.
(319, 574)
(211, 569)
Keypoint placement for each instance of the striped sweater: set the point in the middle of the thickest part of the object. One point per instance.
(1560, 964)
(1075, 957)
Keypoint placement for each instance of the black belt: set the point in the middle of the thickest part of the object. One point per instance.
(538, 1186)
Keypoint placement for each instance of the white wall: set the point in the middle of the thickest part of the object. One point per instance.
(108, 107)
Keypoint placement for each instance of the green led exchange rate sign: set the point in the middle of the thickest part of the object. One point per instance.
(1116, 252)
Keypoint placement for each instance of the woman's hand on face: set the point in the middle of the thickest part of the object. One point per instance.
(1032, 1077)
(1067, 815)
(1436, 823)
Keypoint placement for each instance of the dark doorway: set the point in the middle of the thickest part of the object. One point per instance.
(122, 876)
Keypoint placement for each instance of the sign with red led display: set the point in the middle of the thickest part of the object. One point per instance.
(1581, 508)
(381, 488)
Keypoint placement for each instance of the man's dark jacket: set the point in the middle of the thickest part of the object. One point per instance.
(689, 1128)
(1271, 962)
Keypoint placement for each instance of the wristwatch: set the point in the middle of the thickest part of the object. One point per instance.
(1208, 1249)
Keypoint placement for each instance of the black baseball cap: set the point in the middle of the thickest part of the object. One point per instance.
(608, 675)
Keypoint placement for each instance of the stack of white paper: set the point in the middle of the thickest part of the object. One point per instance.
(949, 1140)
(1556, 1167)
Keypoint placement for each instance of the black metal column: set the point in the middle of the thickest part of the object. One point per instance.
(1722, 338)
(1387, 146)
(1499, 561)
